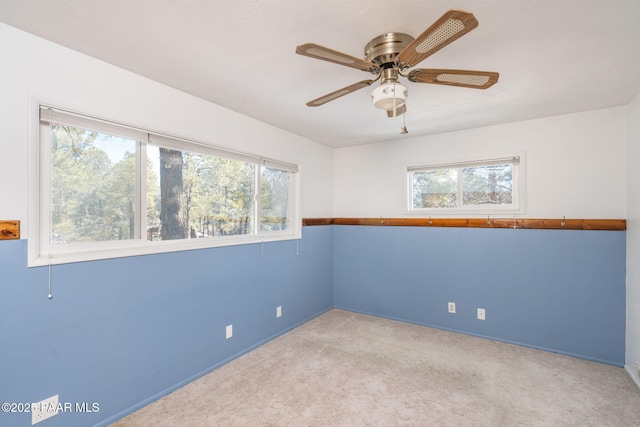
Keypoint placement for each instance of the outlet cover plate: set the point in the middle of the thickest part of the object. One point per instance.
(452, 307)
(44, 409)
(481, 314)
(229, 331)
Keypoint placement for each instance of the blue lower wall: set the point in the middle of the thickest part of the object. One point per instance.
(120, 332)
(123, 332)
(559, 290)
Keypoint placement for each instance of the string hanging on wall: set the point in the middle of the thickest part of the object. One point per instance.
(49, 295)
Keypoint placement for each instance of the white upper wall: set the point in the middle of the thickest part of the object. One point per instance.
(34, 67)
(574, 166)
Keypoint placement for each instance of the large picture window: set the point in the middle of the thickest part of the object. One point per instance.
(107, 190)
(480, 186)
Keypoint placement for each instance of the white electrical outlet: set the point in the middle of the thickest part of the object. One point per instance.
(229, 331)
(481, 314)
(452, 307)
(44, 409)
(279, 311)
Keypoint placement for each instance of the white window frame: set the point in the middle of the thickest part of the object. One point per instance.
(41, 252)
(517, 207)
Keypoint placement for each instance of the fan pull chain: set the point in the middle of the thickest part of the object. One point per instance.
(49, 295)
(403, 129)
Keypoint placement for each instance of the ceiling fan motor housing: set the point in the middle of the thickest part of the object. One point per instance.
(382, 50)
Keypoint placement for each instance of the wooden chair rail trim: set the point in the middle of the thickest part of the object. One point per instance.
(9, 230)
(525, 223)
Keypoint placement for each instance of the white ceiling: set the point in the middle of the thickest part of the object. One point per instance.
(554, 57)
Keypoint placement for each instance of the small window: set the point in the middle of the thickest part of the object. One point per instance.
(491, 185)
(105, 190)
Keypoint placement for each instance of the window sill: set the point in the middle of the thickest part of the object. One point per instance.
(91, 252)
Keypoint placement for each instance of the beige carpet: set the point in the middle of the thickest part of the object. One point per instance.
(348, 369)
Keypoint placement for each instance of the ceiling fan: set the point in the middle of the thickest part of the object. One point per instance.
(390, 55)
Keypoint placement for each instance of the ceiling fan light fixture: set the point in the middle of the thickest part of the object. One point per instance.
(389, 96)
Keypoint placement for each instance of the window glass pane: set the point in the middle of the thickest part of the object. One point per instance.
(93, 186)
(487, 185)
(192, 195)
(435, 189)
(274, 190)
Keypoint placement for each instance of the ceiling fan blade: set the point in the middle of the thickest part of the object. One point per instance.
(462, 78)
(320, 52)
(450, 27)
(338, 93)
(399, 111)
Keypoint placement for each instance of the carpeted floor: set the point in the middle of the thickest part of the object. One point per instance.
(348, 369)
